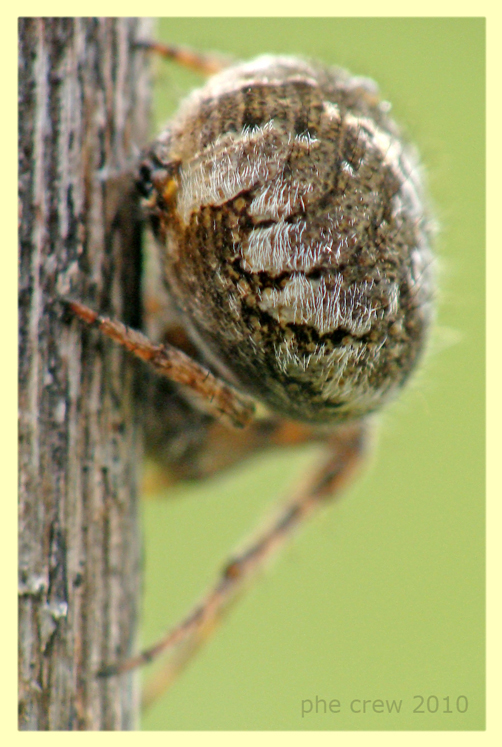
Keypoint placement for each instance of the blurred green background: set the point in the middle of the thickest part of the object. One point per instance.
(381, 597)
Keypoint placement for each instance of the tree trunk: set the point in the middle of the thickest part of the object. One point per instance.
(83, 114)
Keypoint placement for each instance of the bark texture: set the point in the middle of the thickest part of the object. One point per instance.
(83, 114)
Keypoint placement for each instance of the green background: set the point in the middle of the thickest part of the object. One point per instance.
(381, 597)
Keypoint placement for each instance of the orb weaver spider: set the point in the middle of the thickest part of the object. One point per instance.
(296, 248)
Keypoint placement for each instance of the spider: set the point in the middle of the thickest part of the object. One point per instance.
(295, 250)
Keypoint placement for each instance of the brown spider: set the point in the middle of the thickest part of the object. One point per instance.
(295, 250)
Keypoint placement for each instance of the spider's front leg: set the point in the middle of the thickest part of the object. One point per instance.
(343, 454)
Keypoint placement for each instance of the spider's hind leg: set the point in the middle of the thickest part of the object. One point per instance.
(199, 62)
(220, 398)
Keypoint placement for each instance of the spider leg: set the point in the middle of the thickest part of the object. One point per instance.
(222, 400)
(207, 64)
(344, 452)
(167, 675)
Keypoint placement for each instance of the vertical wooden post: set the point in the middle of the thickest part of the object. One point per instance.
(83, 115)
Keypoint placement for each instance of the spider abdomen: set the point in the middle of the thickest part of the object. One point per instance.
(294, 236)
